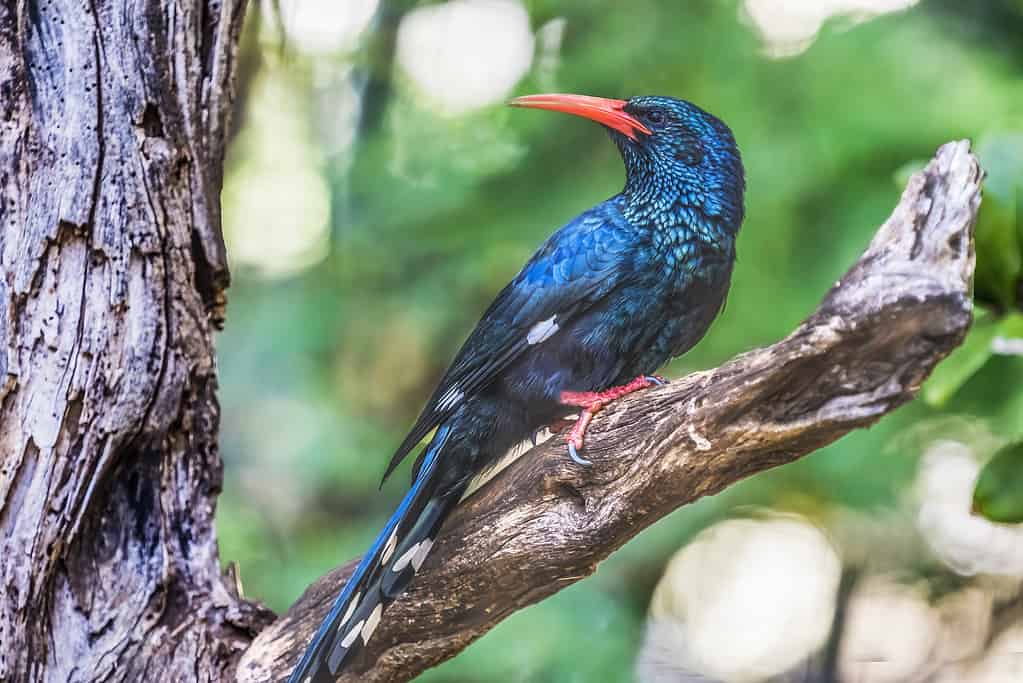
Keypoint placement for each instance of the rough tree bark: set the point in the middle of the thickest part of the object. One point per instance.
(114, 116)
(544, 523)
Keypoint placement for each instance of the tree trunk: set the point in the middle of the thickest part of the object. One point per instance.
(113, 128)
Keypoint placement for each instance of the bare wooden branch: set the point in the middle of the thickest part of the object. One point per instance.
(545, 523)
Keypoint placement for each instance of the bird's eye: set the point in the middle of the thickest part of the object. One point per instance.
(655, 116)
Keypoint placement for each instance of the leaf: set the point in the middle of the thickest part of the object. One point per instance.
(1009, 338)
(998, 255)
(999, 234)
(962, 363)
(998, 495)
(1011, 326)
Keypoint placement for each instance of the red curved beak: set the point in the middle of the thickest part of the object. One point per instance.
(611, 113)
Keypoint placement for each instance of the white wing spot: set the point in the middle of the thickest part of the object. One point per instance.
(351, 608)
(450, 398)
(389, 548)
(542, 330)
(350, 638)
(420, 556)
(371, 622)
(405, 559)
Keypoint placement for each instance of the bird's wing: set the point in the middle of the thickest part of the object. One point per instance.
(571, 272)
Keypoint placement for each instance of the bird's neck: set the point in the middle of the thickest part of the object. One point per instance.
(676, 214)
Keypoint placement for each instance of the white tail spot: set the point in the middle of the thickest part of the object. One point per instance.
(404, 560)
(371, 622)
(420, 556)
(350, 638)
(542, 330)
(351, 608)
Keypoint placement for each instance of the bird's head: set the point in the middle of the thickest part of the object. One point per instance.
(677, 156)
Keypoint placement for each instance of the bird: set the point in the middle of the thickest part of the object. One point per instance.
(602, 304)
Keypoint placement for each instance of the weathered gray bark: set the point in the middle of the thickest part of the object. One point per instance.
(112, 132)
(545, 523)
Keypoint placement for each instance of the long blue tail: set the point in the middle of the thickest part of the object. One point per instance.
(385, 571)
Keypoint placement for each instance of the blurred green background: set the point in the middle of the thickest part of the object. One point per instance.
(378, 195)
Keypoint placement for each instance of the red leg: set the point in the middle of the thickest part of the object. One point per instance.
(592, 402)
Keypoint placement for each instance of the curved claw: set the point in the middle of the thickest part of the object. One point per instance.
(574, 454)
(654, 379)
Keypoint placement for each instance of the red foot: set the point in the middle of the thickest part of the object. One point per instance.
(592, 402)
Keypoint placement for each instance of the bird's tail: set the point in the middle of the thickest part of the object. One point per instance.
(385, 571)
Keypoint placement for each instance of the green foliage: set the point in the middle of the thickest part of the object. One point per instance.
(976, 350)
(999, 231)
(999, 491)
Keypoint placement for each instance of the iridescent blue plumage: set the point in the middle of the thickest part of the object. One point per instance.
(611, 296)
